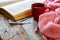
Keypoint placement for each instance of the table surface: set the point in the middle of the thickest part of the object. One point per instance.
(18, 32)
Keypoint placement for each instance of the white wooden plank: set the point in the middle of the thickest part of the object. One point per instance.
(30, 30)
(16, 37)
(10, 39)
(11, 31)
(3, 27)
(22, 33)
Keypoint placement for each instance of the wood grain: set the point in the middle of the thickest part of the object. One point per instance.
(30, 30)
(11, 33)
(18, 32)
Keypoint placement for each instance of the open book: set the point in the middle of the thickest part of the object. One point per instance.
(17, 10)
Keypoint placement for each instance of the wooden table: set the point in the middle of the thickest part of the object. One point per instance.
(18, 32)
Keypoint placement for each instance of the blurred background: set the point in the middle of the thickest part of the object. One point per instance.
(7, 2)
